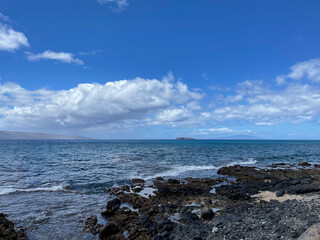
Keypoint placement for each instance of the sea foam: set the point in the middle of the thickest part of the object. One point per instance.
(10, 190)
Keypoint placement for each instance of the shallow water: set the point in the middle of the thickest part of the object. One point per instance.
(50, 187)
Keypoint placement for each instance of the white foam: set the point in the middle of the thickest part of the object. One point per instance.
(192, 204)
(8, 190)
(250, 161)
(147, 192)
(175, 217)
(177, 170)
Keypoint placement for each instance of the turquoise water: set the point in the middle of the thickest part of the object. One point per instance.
(50, 187)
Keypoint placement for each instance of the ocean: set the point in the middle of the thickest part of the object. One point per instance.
(50, 187)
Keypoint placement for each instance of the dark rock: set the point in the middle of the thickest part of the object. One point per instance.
(108, 230)
(90, 224)
(137, 181)
(137, 189)
(317, 165)
(7, 231)
(304, 164)
(188, 217)
(173, 181)
(114, 204)
(206, 214)
(280, 193)
(163, 190)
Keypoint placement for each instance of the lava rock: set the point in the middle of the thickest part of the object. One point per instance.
(90, 224)
(304, 164)
(108, 230)
(280, 193)
(7, 231)
(206, 214)
(114, 204)
(137, 181)
(173, 181)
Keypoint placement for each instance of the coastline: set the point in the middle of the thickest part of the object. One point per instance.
(281, 201)
(244, 203)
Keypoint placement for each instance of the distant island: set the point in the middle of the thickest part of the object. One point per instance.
(12, 135)
(185, 138)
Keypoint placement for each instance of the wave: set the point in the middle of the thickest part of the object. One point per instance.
(250, 161)
(9, 190)
(177, 170)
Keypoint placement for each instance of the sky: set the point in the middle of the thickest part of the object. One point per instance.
(161, 69)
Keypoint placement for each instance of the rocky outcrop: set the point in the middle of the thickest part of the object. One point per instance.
(7, 231)
(183, 208)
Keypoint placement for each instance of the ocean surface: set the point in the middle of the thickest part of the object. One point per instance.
(50, 187)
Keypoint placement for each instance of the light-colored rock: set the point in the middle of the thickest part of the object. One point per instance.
(215, 229)
(312, 233)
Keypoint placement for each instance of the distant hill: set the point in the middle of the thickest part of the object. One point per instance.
(10, 135)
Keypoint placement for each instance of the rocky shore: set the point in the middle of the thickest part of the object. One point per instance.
(7, 231)
(278, 202)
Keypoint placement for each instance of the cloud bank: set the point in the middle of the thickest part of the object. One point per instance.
(139, 103)
(63, 57)
(94, 105)
(261, 104)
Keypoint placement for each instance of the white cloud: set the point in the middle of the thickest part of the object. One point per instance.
(309, 70)
(10, 39)
(223, 130)
(264, 106)
(63, 57)
(94, 105)
(120, 4)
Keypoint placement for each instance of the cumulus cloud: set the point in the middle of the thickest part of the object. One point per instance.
(223, 130)
(10, 39)
(94, 105)
(120, 4)
(263, 106)
(309, 70)
(63, 57)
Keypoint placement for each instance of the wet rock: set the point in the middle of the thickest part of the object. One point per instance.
(206, 214)
(159, 179)
(173, 181)
(137, 189)
(114, 204)
(90, 224)
(7, 231)
(108, 230)
(137, 181)
(304, 164)
(317, 165)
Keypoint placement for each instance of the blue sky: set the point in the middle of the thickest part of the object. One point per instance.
(161, 69)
